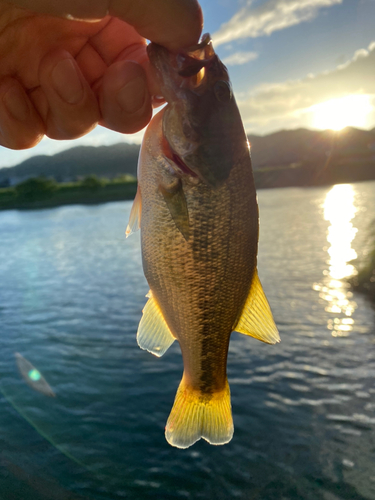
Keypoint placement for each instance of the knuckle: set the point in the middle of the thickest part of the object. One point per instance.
(21, 140)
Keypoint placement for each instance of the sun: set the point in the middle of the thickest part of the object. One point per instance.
(351, 110)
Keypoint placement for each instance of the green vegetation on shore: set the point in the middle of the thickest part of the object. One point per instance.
(43, 192)
(364, 281)
(40, 192)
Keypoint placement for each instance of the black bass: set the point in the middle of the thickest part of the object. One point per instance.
(199, 235)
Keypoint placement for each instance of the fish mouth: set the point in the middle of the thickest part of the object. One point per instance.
(191, 61)
(188, 66)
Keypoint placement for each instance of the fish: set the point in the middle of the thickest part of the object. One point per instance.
(33, 377)
(197, 210)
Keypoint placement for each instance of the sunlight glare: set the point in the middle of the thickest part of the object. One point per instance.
(339, 210)
(351, 110)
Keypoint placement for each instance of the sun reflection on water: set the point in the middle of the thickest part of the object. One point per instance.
(339, 210)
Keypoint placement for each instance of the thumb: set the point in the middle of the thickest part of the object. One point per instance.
(172, 23)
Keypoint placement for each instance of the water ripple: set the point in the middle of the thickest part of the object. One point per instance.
(71, 295)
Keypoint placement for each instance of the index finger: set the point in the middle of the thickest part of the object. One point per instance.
(172, 23)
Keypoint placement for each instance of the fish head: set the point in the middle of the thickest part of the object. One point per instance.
(202, 128)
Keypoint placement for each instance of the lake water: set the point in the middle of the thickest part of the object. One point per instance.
(71, 295)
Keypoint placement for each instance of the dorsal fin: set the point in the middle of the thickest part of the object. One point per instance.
(256, 319)
(153, 333)
(135, 214)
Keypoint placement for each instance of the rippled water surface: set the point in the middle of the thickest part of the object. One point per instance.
(71, 295)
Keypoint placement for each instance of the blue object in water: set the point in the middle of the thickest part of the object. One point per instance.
(33, 377)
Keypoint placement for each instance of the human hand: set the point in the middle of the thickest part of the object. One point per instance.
(61, 77)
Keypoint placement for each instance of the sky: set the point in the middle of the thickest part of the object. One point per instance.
(293, 63)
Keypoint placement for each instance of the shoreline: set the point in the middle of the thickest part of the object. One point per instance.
(68, 194)
(77, 193)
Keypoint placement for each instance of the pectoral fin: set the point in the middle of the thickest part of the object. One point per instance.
(174, 197)
(135, 215)
(153, 333)
(256, 319)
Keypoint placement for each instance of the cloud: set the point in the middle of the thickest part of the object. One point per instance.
(271, 16)
(240, 58)
(287, 104)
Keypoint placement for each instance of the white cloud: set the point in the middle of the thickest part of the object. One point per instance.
(239, 58)
(271, 16)
(287, 104)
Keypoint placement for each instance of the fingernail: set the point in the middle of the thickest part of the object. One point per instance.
(16, 104)
(67, 82)
(132, 96)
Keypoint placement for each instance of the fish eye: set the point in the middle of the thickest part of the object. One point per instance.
(222, 91)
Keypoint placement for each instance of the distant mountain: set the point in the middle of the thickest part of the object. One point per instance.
(300, 146)
(298, 156)
(103, 161)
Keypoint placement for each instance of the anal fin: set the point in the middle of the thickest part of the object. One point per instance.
(135, 215)
(256, 319)
(153, 333)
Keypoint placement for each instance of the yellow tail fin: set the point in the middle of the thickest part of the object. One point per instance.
(197, 415)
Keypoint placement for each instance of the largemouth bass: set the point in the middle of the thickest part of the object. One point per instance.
(197, 208)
